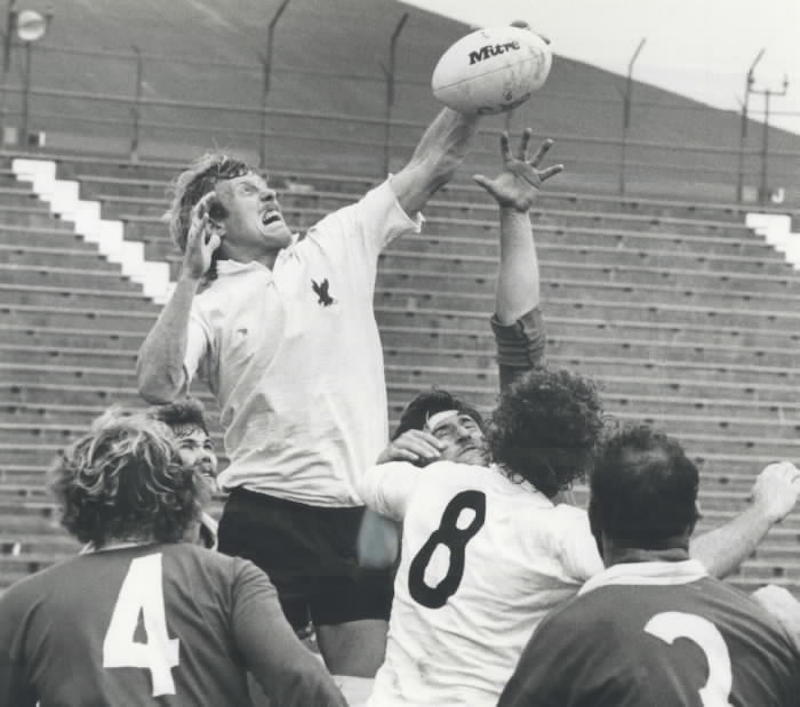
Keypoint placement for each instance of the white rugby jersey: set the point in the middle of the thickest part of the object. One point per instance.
(294, 358)
(483, 560)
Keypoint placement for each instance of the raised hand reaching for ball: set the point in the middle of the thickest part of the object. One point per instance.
(518, 185)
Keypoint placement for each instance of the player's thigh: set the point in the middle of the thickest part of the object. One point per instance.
(350, 607)
(269, 533)
(355, 648)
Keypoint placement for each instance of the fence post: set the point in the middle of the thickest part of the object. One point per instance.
(8, 38)
(389, 74)
(763, 190)
(748, 87)
(626, 115)
(266, 62)
(136, 111)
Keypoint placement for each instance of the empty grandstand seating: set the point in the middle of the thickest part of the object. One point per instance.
(683, 315)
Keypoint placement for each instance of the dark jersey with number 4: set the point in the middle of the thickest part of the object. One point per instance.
(660, 634)
(170, 624)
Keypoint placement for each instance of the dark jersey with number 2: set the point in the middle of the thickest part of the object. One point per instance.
(660, 634)
(169, 624)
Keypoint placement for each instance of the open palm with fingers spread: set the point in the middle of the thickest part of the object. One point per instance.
(518, 185)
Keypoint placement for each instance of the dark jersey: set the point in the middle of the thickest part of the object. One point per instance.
(170, 624)
(695, 644)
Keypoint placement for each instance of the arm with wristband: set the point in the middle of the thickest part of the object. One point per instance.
(517, 321)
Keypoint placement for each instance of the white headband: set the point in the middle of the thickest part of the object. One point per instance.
(436, 418)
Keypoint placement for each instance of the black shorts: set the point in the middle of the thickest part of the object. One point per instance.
(309, 553)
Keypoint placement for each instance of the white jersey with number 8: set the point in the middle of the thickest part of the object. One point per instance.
(483, 560)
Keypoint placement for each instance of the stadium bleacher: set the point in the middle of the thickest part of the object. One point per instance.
(682, 314)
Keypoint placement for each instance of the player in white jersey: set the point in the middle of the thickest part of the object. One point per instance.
(653, 628)
(484, 553)
(283, 330)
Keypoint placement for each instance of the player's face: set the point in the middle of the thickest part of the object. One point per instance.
(254, 217)
(462, 437)
(196, 450)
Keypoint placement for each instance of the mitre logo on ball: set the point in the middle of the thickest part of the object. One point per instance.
(489, 50)
(492, 70)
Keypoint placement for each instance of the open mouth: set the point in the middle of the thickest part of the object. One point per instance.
(270, 217)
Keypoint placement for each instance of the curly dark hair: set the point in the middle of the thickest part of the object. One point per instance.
(188, 412)
(643, 489)
(428, 403)
(546, 428)
(124, 479)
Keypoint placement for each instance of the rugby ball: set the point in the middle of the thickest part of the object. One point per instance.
(491, 70)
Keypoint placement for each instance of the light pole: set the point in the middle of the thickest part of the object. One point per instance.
(767, 93)
(29, 26)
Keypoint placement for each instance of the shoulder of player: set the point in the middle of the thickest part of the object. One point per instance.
(32, 589)
(453, 474)
(603, 620)
(579, 634)
(376, 203)
(732, 601)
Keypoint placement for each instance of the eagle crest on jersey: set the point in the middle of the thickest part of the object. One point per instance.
(321, 290)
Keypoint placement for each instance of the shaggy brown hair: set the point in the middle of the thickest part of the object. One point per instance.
(124, 480)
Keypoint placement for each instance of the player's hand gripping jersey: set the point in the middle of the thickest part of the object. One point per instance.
(660, 634)
(483, 559)
(170, 624)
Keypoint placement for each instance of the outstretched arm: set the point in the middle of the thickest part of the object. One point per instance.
(516, 190)
(517, 322)
(159, 366)
(775, 493)
(440, 151)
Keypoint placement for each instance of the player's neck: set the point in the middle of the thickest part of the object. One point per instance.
(243, 254)
(671, 550)
(121, 543)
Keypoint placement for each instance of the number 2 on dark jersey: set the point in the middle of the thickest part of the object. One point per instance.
(453, 538)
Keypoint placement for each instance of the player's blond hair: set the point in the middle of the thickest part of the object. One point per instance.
(124, 480)
(193, 184)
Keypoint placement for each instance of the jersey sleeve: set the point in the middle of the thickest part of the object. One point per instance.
(15, 687)
(288, 673)
(387, 488)
(198, 346)
(520, 346)
(360, 231)
(575, 545)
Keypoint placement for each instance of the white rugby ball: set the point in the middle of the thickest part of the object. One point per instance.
(491, 70)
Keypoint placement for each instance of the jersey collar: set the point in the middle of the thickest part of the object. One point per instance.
(647, 573)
